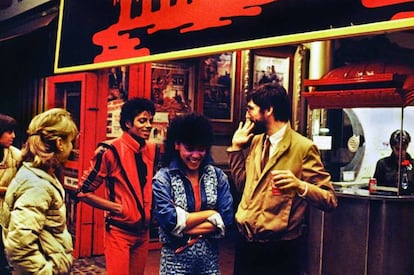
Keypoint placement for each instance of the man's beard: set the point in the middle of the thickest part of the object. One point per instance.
(259, 127)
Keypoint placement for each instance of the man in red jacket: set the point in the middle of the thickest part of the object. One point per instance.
(125, 164)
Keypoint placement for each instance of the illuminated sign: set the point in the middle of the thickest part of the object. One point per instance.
(104, 33)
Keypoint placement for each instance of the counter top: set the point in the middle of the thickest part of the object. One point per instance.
(360, 190)
(364, 194)
(371, 234)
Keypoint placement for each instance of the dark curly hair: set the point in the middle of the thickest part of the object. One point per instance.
(132, 107)
(191, 129)
(272, 95)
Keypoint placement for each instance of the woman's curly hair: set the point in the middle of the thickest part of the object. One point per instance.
(191, 129)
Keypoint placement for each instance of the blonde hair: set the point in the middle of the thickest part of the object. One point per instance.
(44, 129)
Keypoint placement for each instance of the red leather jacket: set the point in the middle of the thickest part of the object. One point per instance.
(105, 167)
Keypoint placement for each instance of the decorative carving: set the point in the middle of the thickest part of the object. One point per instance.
(298, 72)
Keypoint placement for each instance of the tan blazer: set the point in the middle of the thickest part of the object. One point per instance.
(262, 216)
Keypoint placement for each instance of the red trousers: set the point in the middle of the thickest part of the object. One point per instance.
(125, 253)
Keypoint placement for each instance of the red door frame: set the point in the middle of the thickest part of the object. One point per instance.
(92, 128)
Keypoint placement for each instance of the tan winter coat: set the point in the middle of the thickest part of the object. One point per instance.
(8, 168)
(36, 238)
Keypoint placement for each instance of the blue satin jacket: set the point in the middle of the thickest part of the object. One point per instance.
(171, 189)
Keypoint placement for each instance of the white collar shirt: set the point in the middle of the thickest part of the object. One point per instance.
(275, 139)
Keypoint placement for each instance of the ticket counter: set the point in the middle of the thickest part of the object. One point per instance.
(366, 234)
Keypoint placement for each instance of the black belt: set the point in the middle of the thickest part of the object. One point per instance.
(130, 228)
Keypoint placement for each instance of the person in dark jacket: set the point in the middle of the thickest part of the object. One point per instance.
(386, 170)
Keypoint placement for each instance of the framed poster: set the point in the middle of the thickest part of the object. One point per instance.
(113, 126)
(171, 87)
(118, 79)
(218, 86)
(172, 93)
(268, 69)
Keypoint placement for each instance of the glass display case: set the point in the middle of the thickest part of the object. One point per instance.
(354, 110)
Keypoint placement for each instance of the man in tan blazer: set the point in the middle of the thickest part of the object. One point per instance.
(275, 197)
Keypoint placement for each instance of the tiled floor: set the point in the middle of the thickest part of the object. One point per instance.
(96, 265)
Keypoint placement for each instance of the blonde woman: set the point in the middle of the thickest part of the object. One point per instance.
(36, 239)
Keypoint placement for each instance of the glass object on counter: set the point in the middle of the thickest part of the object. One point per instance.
(404, 179)
(372, 185)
